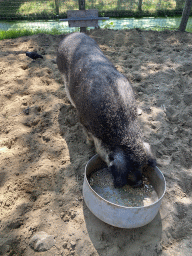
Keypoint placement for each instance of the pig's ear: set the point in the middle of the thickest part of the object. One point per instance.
(150, 157)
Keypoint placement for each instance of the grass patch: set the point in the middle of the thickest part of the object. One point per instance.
(12, 33)
(15, 33)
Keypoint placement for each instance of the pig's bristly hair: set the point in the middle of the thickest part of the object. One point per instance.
(104, 100)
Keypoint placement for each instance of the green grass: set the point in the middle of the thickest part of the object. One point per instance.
(10, 34)
(15, 33)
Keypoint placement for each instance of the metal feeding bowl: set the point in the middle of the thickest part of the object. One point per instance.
(118, 215)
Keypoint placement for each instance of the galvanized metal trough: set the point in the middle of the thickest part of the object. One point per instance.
(117, 215)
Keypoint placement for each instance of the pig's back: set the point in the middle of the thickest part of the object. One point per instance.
(103, 97)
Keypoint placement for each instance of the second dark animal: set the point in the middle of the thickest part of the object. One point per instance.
(33, 55)
(106, 107)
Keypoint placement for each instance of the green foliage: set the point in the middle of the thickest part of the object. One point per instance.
(14, 33)
(46, 9)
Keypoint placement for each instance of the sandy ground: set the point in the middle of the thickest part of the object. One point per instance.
(43, 150)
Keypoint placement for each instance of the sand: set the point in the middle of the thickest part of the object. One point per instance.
(43, 150)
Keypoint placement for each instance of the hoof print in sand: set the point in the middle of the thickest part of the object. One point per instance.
(41, 242)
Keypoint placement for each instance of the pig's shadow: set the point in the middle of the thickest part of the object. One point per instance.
(145, 240)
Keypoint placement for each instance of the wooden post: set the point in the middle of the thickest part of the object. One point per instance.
(57, 6)
(82, 7)
(140, 5)
(185, 15)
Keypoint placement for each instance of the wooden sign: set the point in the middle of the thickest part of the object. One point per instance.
(83, 18)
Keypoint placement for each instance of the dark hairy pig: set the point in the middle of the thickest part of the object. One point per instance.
(106, 107)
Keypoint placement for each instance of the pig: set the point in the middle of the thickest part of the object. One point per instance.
(106, 107)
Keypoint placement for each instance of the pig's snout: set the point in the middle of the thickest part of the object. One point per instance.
(119, 182)
(135, 179)
(123, 176)
(124, 171)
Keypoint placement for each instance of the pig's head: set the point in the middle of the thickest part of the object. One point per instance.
(128, 170)
(124, 171)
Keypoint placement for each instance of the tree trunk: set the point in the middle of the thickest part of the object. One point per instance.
(82, 7)
(57, 6)
(81, 4)
(140, 5)
(185, 15)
